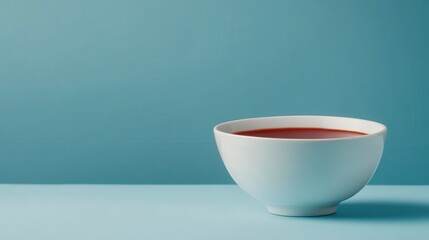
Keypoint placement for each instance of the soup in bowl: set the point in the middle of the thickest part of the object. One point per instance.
(301, 165)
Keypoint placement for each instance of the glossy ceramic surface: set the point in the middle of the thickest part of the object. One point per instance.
(301, 177)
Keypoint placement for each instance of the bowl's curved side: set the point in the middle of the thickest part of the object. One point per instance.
(300, 173)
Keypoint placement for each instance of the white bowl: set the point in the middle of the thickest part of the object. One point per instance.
(301, 177)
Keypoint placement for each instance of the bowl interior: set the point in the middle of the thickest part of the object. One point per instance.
(340, 123)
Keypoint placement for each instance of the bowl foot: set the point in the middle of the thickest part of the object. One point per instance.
(301, 211)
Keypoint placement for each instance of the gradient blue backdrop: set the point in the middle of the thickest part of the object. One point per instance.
(95, 91)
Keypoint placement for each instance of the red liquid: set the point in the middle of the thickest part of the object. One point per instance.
(300, 133)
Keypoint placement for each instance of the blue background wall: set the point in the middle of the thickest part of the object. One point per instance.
(96, 91)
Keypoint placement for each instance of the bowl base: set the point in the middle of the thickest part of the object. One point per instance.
(301, 211)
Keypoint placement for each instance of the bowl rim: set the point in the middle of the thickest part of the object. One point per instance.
(381, 132)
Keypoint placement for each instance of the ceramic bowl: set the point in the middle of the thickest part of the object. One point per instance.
(301, 177)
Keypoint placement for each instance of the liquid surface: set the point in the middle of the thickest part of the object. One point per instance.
(300, 133)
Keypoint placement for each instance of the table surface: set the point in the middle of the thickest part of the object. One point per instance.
(200, 212)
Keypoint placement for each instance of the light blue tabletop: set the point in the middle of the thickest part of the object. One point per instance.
(200, 212)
